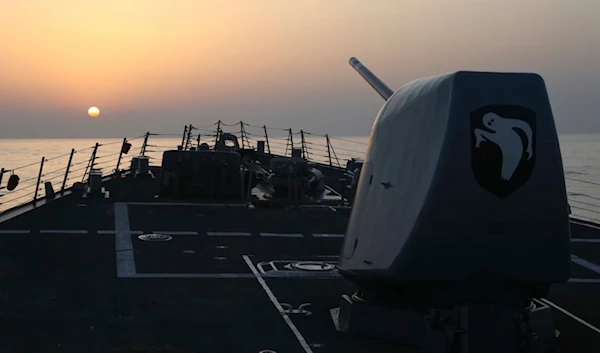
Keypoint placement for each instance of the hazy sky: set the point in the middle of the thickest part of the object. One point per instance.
(153, 65)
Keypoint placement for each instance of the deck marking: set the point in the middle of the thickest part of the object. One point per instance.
(584, 280)
(283, 235)
(332, 191)
(585, 263)
(173, 232)
(229, 234)
(333, 209)
(193, 275)
(324, 235)
(584, 240)
(275, 302)
(21, 231)
(572, 316)
(112, 232)
(54, 231)
(186, 204)
(123, 243)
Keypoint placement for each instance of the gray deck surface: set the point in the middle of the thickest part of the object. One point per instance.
(196, 293)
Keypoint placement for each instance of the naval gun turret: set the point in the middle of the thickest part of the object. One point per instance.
(460, 222)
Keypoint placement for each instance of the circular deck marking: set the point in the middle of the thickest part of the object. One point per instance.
(155, 237)
(311, 266)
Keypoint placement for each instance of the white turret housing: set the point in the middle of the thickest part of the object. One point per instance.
(462, 180)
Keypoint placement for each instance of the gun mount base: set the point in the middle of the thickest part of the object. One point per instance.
(468, 327)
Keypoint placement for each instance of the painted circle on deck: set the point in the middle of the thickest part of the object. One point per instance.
(155, 237)
(312, 266)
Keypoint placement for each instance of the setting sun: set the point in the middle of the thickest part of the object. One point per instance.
(93, 112)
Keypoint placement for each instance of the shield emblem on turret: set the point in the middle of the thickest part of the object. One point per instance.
(503, 147)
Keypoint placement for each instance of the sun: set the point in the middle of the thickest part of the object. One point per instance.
(93, 112)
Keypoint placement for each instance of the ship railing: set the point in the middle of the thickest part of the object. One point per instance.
(61, 170)
(583, 197)
(318, 148)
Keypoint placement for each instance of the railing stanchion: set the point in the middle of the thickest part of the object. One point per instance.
(242, 133)
(39, 179)
(183, 137)
(64, 184)
(329, 145)
(188, 140)
(245, 139)
(328, 150)
(303, 145)
(218, 132)
(267, 139)
(291, 143)
(91, 162)
(1, 175)
(120, 155)
(145, 144)
(198, 142)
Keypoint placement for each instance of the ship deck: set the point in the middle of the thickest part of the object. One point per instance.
(75, 277)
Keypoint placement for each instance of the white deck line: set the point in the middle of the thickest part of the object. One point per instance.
(275, 302)
(123, 243)
(571, 315)
(585, 240)
(229, 234)
(66, 231)
(584, 280)
(131, 232)
(174, 232)
(325, 235)
(193, 275)
(16, 231)
(282, 235)
(186, 204)
(585, 263)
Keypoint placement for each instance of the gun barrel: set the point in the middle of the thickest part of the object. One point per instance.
(378, 85)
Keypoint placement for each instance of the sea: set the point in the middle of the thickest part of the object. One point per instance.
(23, 157)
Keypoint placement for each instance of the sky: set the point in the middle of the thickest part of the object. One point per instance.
(156, 65)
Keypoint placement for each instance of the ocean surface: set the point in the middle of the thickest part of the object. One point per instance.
(580, 153)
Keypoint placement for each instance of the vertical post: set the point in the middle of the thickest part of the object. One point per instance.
(242, 133)
(245, 140)
(64, 184)
(267, 139)
(188, 140)
(291, 141)
(183, 137)
(120, 156)
(303, 145)
(39, 179)
(1, 175)
(218, 132)
(328, 150)
(145, 144)
(198, 142)
(91, 162)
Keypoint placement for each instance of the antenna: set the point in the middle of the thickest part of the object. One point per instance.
(384, 91)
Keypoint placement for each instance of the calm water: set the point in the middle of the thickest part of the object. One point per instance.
(581, 159)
